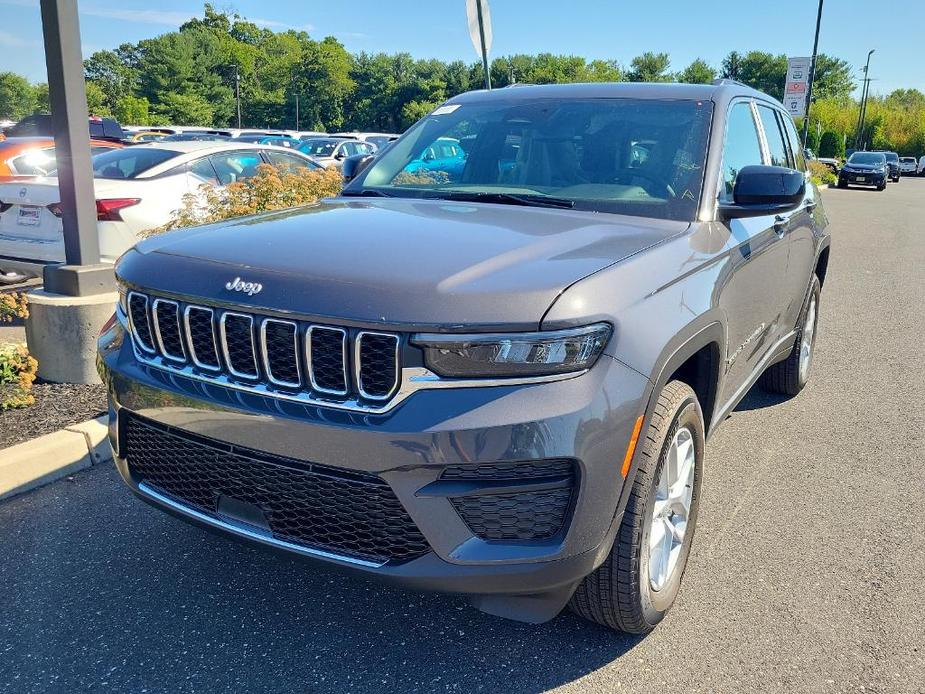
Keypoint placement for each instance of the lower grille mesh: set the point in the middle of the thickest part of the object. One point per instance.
(530, 514)
(524, 516)
(354, 514)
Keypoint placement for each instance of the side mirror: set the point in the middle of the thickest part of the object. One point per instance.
(765, 190)
(355, 165)
(341, 155)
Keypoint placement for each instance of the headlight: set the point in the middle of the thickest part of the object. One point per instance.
(123, 298)
(514, 354)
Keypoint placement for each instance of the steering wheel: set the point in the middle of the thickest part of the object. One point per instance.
(626, 173)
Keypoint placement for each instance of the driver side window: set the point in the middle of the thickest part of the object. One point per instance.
(741, 148)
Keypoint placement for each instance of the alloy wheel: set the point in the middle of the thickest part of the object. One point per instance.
(672, 507)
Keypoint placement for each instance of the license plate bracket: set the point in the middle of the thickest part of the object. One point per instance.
(29, 216)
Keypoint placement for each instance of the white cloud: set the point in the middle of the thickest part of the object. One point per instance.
(165, 18)
(274, 24)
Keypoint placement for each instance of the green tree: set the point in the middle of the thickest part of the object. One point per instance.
(42, 104)
(698, 72)
(17, 96)
(649, 67)
(132, 110)
(832, 79)
(96, 100)
(763, 71)
(831, 144)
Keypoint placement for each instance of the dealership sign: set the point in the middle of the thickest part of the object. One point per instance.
(797, 85)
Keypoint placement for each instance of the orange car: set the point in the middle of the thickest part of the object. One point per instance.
(22, 157)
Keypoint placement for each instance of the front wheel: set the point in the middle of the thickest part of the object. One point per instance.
(640, 579)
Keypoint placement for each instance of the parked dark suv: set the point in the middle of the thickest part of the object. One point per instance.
(497, 379)
(892, 162)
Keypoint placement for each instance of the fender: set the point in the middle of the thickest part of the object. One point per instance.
(704, 330)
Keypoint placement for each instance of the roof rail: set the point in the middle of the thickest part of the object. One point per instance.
(726, 80)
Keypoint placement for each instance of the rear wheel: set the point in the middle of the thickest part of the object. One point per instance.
(638, 582)
(790, 375)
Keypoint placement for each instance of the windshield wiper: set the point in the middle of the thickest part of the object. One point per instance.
(507, 199)
(365, 193)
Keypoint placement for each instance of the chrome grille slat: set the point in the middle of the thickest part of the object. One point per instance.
(323, 366)
(289, 359)
(165, 316)
(137, 310)
(376, 364)
(286, 360)
(206, 355)
(236, 350)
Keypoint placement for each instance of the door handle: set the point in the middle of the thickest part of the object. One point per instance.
(810, 205)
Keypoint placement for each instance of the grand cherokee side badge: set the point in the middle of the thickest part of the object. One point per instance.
(239, 285)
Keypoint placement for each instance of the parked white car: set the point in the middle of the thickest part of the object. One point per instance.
(380, 140)
(137, 188)
(922, 166)
(908, 166)
(331, 151)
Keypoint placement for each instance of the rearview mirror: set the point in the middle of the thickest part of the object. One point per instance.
(765, 190)
(355, 165)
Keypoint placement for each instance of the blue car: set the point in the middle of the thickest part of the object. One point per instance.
(445, 154)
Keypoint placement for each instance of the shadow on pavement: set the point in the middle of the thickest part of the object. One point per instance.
(110, 590)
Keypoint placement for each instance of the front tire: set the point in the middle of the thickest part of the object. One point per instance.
(790, 375)
(640, 579)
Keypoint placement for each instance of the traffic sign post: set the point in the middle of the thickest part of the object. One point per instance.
(480, 32)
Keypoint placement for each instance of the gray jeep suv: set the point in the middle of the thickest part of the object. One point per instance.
(492, 374)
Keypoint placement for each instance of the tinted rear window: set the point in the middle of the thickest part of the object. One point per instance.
(130, 162)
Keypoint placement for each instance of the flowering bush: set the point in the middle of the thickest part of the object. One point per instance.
(270, 189)
(17, 372)
(13, 306)
(822, 174)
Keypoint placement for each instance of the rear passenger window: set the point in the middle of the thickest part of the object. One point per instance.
(287, 161)
(776, 147)
(203, 169)
(742, 147)
(795, 146)
(235, 166)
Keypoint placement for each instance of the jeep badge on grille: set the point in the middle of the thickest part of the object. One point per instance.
(239, 285)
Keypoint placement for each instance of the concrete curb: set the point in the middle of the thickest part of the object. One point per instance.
(50, 457)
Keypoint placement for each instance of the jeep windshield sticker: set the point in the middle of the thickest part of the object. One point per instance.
(445, 109)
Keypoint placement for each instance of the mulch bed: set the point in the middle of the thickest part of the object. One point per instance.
(57, 405)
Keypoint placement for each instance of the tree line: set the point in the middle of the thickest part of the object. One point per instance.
(190, 77)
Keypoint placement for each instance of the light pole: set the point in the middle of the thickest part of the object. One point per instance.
(861, 114)
(812, 74)
(237, 93)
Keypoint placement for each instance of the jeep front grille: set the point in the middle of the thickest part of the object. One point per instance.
(274, 356)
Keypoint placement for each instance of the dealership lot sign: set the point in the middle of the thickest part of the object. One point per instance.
(795, 89)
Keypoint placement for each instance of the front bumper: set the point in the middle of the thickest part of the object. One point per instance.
(865, 178)
(588, 420)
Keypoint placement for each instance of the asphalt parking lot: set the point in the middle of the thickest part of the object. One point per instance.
(806, 575)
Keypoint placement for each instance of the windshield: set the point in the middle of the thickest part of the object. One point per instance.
(319, 148)
(631, 156)
(891, 156)
(130, 162)
(867, 158)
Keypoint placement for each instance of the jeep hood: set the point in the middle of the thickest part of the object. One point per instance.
(414, 263)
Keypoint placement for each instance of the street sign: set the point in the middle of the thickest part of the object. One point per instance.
(480, 32)
(472, 14)
(797, 85)
(795, 105)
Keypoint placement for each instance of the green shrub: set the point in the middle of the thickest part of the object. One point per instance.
(822, 174)
(270, 189)
(17, 372)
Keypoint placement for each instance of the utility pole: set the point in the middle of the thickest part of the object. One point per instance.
(812, 74)
(237, 93)
(857, 137)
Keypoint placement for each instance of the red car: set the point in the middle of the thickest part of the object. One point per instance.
(27, 157)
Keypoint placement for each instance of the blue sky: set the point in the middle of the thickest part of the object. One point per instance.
(613, 29)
